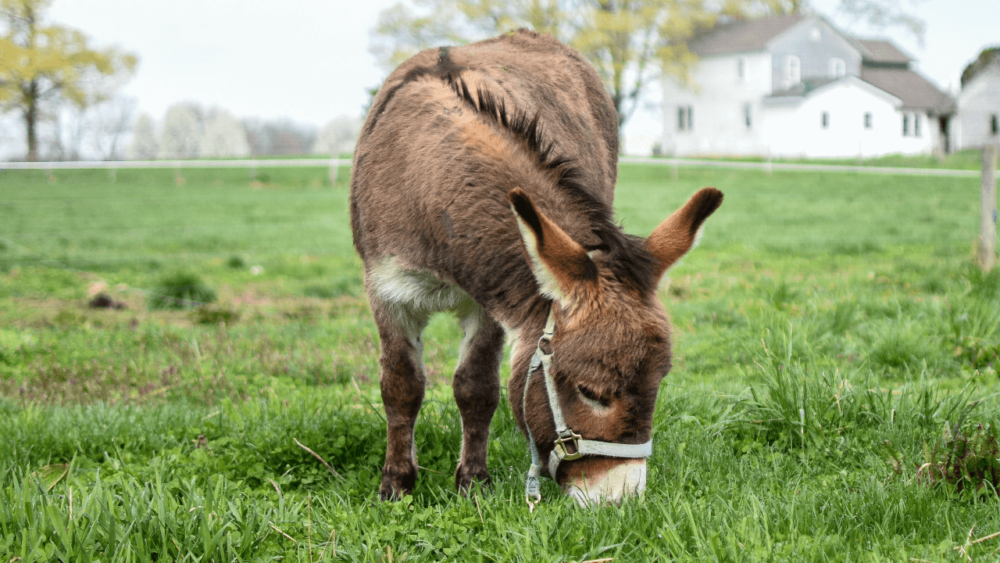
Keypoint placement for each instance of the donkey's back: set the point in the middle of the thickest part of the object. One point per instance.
(422, 140)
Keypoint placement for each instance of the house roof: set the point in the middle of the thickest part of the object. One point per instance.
(803, 88)
(915, 90)
(741, 35)
(883, 52)
(808, 85)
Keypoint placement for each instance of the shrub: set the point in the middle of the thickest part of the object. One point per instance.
(236, 262)
(181, 290)
(214, 314)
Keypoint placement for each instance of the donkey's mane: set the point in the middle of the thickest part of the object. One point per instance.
(626, 255)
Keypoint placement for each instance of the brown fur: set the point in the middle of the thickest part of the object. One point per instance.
(455, 139)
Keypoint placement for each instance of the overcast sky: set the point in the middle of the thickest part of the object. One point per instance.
(309, 60)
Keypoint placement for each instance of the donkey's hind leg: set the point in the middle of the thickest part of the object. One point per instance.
(477, 392)
(402, 381)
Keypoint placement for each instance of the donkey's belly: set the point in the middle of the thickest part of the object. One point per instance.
(415, 292)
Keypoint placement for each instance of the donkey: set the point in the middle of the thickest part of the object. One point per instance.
(482, 184)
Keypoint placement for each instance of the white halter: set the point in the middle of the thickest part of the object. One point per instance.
(569, 445)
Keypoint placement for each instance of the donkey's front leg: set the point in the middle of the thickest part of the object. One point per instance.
(402, 382)
(477, 392)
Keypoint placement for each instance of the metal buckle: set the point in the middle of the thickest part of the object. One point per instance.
(562, 451)
(533, 502)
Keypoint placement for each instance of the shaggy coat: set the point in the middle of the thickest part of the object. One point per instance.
(483, 183)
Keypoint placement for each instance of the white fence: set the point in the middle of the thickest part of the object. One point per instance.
(335, 164)
(175, 164)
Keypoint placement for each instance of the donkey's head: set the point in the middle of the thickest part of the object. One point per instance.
(608, 352)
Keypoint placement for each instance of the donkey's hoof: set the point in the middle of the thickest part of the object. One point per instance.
(464, 478)
(397, 481)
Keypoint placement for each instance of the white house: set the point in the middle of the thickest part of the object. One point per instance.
(796, 86)
(979, 109)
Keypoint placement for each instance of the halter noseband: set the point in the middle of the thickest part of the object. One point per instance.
(569, 445)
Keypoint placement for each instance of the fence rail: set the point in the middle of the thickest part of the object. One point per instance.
(174, 164)
(793, 167)
(336, 163)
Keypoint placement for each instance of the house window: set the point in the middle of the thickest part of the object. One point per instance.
(741, 69)
(747, 116)
(995, 124)
(837, 68)
(868, 120)
(685, 118)
(914, 119)
(826, 120)
(793, 70)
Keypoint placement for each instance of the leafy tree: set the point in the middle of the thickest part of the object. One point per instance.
(628, 41)
(44, 65)
(182, 129)
(143, 145)
(224, 136)
(875, 14)
(988, 56)
(882, 14)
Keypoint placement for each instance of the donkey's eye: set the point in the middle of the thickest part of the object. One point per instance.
(589, 394)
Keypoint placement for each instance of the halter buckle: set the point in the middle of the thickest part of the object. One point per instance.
(533, 501)
(566, 437)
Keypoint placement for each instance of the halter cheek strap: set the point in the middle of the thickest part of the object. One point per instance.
(569, 445)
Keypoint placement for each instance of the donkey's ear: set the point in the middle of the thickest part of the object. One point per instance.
(559, 263)
(677, 234)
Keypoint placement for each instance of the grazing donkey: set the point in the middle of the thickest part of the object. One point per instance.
(483, 183)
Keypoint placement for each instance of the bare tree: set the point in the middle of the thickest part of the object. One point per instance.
(76, 128)
(12, 142)
(279, 136)
(109, 122)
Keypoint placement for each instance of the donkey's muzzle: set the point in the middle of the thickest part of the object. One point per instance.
(596, 481)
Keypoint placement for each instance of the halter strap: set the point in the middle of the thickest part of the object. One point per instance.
(569, 445)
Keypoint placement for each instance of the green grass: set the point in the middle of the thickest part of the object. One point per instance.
(829, 333)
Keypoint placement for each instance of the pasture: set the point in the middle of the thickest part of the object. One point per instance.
(834, 355)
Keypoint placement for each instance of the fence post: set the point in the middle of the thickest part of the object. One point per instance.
(988, 209)
(334, 169)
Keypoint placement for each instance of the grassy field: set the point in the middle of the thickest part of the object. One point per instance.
(833, 398)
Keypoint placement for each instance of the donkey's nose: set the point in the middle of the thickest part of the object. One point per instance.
(607, 481)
